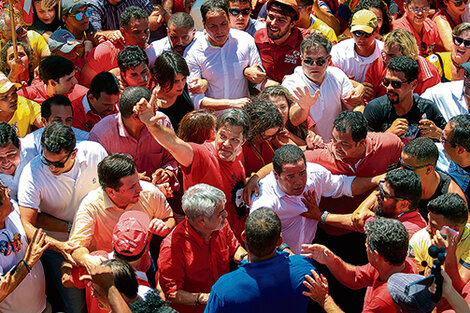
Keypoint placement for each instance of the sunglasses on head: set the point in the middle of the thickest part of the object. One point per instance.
(358, 33)
(57, 164)
(395, 83)
(319, 61)
(458, 41)
(80, 15)
(459, 3)
(235, 12)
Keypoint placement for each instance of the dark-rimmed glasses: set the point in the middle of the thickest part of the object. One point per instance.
(409, 167)
(443, 140)
(459, 3)
(419, 10)
(458, 41)
(395, 83)
(235, 12)
(57, 164)
(385, 195)
(269, 137)
(319, 61)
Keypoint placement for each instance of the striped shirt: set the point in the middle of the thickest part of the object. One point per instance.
(106, 16)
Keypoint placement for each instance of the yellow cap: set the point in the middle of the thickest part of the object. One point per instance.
(364, 20)
(6, 84)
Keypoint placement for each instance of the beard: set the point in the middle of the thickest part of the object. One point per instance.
(379, 211)
(278, 36)
(393, 97)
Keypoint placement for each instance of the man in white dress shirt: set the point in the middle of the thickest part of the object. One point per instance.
(226, 58)
(283, 188)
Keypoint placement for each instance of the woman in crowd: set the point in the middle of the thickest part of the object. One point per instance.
(448, 63)
(45, 18)
(447, 20)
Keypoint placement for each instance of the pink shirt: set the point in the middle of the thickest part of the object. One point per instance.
(148, 154)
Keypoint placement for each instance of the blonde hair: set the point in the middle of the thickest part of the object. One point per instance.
(405, 40)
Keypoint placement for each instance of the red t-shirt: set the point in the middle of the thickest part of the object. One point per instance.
(189, 263)
(104, 56)
(381, 150)
(428, 76)
(426, 42)
(37, 92)
(280, 60)
(84, 120)
(413, 222)
(377, 298)
(254, 160)
(229, 177)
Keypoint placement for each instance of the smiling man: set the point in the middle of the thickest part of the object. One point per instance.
(217, 163)
(55, 183)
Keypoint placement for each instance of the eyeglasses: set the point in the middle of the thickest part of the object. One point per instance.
(384, 194)
(269, 137)
(80, 15)
(443, 140)
(235, 12)
(458, 41)
(319, 61)
(57, 164)
(419, 10)
(409, 167)
(459, 3)
(395, 83)
(358, 33)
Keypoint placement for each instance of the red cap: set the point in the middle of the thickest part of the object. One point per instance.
(131, 233)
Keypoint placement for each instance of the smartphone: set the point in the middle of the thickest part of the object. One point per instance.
(453, 232)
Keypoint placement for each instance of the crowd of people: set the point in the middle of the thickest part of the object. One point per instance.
(290, 156)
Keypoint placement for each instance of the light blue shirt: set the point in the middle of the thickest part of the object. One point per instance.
(461, 176)
(449, 98)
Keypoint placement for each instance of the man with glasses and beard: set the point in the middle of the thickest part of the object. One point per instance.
(320, 90)
(399, 111)
(54, 183)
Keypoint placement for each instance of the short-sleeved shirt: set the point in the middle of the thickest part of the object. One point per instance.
(103, 57)
(229, 177)
(380, 115)
(421, 241)
(148, 154)
(280, 60)
(97, 215)
(189, 263)
(61, 195)
(335, 87)
(25, 115)
(344, 56)
(430, 35)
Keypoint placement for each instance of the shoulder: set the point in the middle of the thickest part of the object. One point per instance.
(385, 140)
(261, 36)
(151, 190)
(105, 126)
(88, 150)
(423, 102)
(92, 197)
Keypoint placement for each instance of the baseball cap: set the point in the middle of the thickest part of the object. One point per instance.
(71, 6)
(131, 233)
(364, 20)
(6, 84)
(466, 66)
(418, 299)
(290, 3)
(63, 40)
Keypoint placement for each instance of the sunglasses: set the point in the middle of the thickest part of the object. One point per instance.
(319, 61)
(459, 3)
(458, 41)
(443, 140)
(269, 137)
(385, 195)
(358, 33)
(235, 12)
(57, 164)
(419, 10)
(395, 83)
(409, 167)
(80, 15)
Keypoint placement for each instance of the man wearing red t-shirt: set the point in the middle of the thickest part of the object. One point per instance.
(386, 246)
(279, 42)
(135, 31)
(57, 77)
(197, 252)
(416, 21)
(216, 163)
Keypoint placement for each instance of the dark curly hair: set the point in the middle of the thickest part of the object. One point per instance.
(380, 5)
(263, 115)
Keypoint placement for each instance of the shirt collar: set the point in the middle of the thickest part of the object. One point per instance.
(86, 104)
(190, 232)
(207, 44)
(121, 128)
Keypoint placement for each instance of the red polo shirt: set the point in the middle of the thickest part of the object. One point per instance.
(189, 263)
(37, 92)
(426, 42)
(280, 60)
(428, 76)
(381, 150)
(83, 116)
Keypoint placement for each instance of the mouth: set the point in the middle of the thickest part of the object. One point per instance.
(460, 52)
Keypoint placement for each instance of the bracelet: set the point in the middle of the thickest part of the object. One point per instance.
(323, 217)
(26, 265)
(283, 246)
(243, 256)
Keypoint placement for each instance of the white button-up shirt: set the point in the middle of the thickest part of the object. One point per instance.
(335, 87)
(345, 57)
(296, 229)
(222, 67)
(449, 98)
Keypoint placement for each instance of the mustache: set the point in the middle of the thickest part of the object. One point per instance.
(392, 93)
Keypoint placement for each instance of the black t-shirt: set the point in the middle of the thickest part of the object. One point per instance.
(182, 105)
(380, 114)
(441, 189)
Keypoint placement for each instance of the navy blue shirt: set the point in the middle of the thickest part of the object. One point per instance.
(274, 285)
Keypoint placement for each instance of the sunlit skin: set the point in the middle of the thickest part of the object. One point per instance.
(137, 76)
(461, 54)
(217, 220)
(397, 95)
(278, 26)
(65, 85)
(9, 101)
(60, 114)
(240, 21)
(281, 103)
(60, 157)
(180, 38)
(128, 193)
(345, 148)
(293, 178)
(9, 159)
(136, 33)
(314, 72)
(72, 23)
(387, 206)
(46, 16)
(217, 27)
(105, 104)
(391, 52)
(380, 17)
(228, 140)
(419, 17)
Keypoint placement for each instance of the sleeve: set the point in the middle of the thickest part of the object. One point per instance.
(215, 303)
(98, 58)
(364, 276)
(83, 228)
(171, 265)
(436, 116)
(96, 16)
(35, 111)
(382, 303)
(336, 185)
(254, 53)
(29, 192)
(159, 204)
(95, 137)
(371, 77)
(346, 86)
